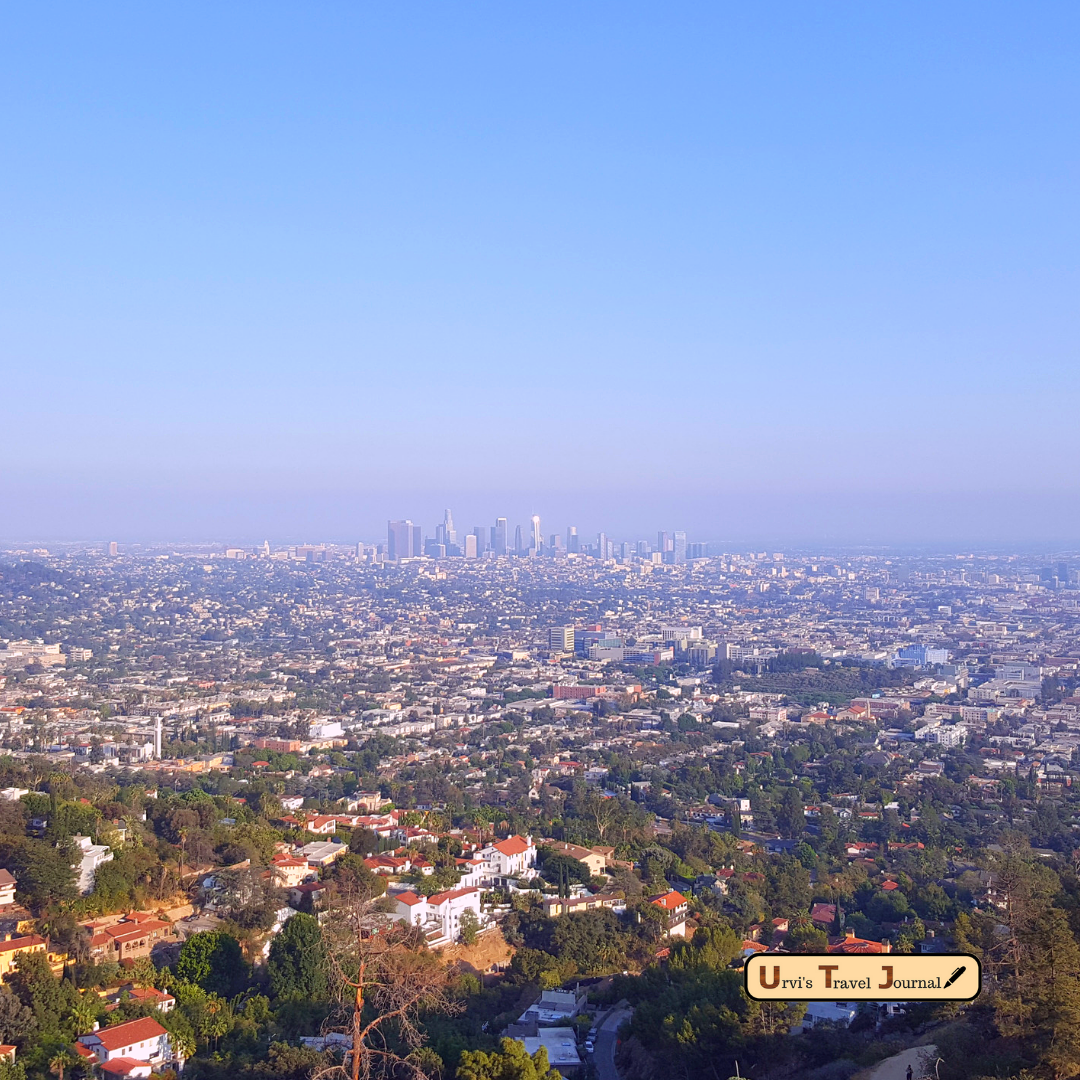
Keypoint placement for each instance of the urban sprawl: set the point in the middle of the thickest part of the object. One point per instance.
(548, 794)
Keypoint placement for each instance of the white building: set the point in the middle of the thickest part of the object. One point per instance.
(439, 916)
(561, 1046)
(136, 1043)
(514, 857)
(90, 856)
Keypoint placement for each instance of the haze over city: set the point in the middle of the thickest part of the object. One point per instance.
(757, 273)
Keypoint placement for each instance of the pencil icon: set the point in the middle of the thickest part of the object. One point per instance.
(954, 976)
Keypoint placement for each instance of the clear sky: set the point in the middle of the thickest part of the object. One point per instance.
(777, 271)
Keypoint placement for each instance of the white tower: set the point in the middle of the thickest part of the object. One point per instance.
(157, 738)
(537, 543)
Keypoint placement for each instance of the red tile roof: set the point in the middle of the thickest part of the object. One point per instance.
(513, 845)
(127, 1034)
(121, 1066)
(669, 901)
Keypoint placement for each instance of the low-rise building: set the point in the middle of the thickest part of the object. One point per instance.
(142, 1042)
(439, 916)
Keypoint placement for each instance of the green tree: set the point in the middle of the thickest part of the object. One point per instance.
(470, 927)
(510, 1062)
(297, 962)
(789, 816)
(213, 960)
(16, 1020)
(806, 938)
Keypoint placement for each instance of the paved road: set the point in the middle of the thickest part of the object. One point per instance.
(604, 1055)
(920, 1058)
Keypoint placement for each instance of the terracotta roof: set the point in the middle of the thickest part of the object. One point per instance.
(16, 944)
(121, 1066)
(409, 898)
(513, 845)
(669, 901)
(450, 894)
(129, 1033)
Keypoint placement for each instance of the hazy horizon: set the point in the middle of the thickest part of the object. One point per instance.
(785, 274)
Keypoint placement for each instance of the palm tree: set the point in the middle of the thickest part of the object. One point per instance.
(59, 1062)
(85, 1011)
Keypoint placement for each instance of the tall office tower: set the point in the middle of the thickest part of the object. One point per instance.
(113, 549)
(680, 547)
(448, 528)
(470, 546)
(555, 544)
(561, 639)
(399, 539)
(519, 541)
(481, 539)
(662, 541)
(601, 546)
(624, 551)
(417, 540)
(537, 539)
(573, 544)
(643, 547)
(498, 543)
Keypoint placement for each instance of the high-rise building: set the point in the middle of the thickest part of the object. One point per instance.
(643, 547)
(400, 537)
(561, 639)
(470, 546)
(680, 547)
(519, 541)
(480, 538)
(555, 543)
(113, 549)
(537, 544)
(448, 528)
(573, 544)
(498, 543)
(664, 543)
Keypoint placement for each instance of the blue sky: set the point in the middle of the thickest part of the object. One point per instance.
(779, 271)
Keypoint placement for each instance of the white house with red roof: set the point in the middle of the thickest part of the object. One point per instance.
(514, 857)
(439, 916)
(135, 1048)
(674, 905)
(472, 872)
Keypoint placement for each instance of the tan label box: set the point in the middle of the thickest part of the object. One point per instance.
(877, 977)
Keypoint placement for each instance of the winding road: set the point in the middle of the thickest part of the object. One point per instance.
(606, 1039)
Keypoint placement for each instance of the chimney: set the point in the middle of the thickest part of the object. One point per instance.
(886, 945)
(849, 935)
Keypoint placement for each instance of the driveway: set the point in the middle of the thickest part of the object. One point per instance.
(606, 1038)
(920, 1058)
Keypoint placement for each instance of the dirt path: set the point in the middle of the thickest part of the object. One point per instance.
(920, 1058)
